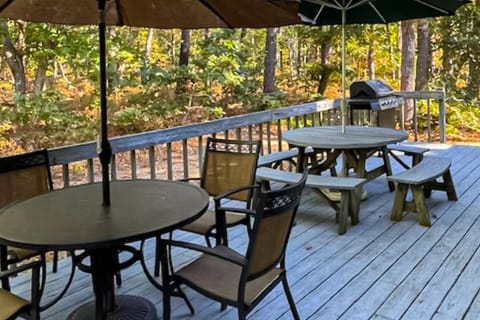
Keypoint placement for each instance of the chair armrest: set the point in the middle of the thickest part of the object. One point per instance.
(218, 198)
(235, 209)
(189, 179)
(218, 251)
(16, 269)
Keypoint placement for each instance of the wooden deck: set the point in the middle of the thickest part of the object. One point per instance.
(377, 270)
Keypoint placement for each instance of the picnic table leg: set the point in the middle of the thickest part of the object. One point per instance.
(388, 167)
(399, 202)
(449, 186)
(421, 208)
(354, 205)
(343, 212)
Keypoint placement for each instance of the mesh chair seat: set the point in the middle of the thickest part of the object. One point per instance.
(226, 278)
(10, 304)
(206, 222)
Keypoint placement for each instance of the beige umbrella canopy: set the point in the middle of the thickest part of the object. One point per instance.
(163, 14)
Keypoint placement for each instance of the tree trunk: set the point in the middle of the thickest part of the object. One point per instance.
(424, 57)
(326, 70)
(183, 62)
(407, 67)
(148, 47)
(40, 76)
(14, 60)
(371, 61)
(270, 60)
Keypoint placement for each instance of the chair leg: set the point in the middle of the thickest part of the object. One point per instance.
(55, 262)
(185, 298)
(37, 292)
(242, 314)
(118, 274)
(291, 302)
(156, 268)
(4, 266)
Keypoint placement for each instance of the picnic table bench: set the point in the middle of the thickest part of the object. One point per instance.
(349, 188)
(422, 179)
(415, 152)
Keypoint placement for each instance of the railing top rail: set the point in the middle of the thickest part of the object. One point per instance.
(88, 150)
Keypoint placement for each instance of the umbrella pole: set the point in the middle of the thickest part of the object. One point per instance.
(343, 106)
(105, 153)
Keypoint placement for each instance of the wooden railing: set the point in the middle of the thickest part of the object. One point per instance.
(175, 153)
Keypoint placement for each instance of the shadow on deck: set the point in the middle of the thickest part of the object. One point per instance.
(377, 270)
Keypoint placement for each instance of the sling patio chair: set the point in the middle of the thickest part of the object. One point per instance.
(242, 281)
(22, 177)
(12, 305)
(228, 172)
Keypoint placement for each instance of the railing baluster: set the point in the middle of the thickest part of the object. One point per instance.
(133, 164)
(66, 176)
(151, 159)
(90, 171)
(185, 157)
(169, 161)
(113, 167)
(200, 154)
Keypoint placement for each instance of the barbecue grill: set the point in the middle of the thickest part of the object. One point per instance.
(373, 95)
(377, 96)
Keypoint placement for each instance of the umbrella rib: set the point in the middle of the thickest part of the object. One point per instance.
(325, 3)
(318, 14)
(433, 7)
(357, 4)
(5, 5)
(377, 12)
(212, 9)
(119, 15)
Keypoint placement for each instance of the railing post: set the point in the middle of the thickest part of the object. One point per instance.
(442, 118)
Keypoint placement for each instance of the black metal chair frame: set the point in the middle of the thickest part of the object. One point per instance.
(31, 311)
(267, 204)
(221, 201)
(22, 162)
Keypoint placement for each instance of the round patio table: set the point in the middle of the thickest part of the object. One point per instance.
(357, 143)
(74, 218)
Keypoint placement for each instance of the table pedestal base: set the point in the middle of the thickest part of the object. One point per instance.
(127, 307)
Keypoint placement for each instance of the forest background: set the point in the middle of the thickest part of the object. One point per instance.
(163, 78)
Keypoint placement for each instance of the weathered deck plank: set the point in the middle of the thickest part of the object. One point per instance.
(379, 269)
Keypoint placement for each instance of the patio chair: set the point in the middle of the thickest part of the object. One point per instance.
(11, 305)
(21, 177)
(228, 171)
(242, 281)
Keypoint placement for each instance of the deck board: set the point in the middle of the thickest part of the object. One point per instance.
(379, 269)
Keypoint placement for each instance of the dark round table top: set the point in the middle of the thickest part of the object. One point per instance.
(74, 218)
(355, 137)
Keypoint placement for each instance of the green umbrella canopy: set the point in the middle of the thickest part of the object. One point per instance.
(343, 12)
(329, 12)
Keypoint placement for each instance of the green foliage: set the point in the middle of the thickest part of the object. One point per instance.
(224, 75)
(273, 100)
(46, 120)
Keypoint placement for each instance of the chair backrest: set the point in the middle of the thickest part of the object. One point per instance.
(24, 176)
(230, 164)
(274, 216)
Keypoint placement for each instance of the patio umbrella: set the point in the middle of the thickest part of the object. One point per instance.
(184, 14)
(343, 12)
